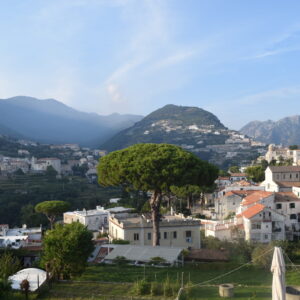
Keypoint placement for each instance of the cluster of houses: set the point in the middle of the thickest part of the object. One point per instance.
(30, 164)
(278, 153)
(240, 209)
(258, 213)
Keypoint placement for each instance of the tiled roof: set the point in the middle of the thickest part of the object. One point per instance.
(256, 197)
(278, 169)
(253, 210)
(241, 193)
(286, 197)
(238, 175)
(288, 184)
(243, 183)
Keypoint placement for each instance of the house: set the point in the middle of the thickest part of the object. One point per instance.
(238, 177)
(281, 178)
(262, 224)
(94, 219)
(288, 204)
(228, 203)
(20, 237)
(175, 230)
(41, 165)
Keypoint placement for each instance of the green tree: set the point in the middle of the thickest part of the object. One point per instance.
(51, 172)
(9, 265)
(32, 218)
(52, 209)
(19, 172)
(154, 168)
(66, 249)
(256, 173)
(186, 192)
(234, 169)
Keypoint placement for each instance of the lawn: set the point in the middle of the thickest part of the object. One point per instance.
(112, 282)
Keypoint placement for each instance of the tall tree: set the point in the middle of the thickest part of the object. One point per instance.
(52, 209)
(154, 168)
(66, 250)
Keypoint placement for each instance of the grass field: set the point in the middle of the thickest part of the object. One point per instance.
(116, 282)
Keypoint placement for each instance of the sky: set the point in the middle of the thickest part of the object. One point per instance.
(238, 59)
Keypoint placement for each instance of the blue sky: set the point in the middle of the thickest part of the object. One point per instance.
(238, 59)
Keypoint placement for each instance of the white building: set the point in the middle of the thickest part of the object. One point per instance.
(20, 237)
(41, 165)
(281, 178)
(262, 224)
(175, 230)
(95, 219)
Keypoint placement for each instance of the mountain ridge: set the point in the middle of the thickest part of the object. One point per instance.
(285, 131)
(51, 121)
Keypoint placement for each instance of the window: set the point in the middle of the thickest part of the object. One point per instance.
(149, 236)
(278, 206)
(105, 220)
(266, 236)
(255, 226)
(165, 235)
(269, 214)
(292, 205)
(297, 175)
(188, 234)
(136, 236)
(293, 217)
(290, 176)
(174, 234)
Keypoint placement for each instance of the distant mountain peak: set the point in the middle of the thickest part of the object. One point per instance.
(285, 131)
(51, 121)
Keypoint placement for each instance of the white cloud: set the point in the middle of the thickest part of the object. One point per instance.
(114, 93)
(281, 94)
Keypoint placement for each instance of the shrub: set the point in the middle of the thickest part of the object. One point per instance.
(157, 260)
(156, 289)
(120, 242)
(142, 287)
(120, 260)
(168, 291)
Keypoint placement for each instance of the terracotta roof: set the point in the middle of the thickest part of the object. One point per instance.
(253, 210)
(207, 255)
(256, 197)
(243, 183)
(288, 184)
(238, 175)
(232, 193)
(240, 193)
(286, 197)
(279, 169)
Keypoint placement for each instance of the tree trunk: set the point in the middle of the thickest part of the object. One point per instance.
(155, 205)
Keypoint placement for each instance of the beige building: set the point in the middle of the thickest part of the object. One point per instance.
(175, 230)
(281, 178)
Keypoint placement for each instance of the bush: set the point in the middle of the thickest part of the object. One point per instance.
(120, 242)
(168, 291)
(156, 289)
(120, 260)
(157, 260)
(142, 287)
(260, 259)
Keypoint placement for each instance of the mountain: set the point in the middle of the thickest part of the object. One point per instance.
(50, 121)
(286, 131)
(191, 128)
